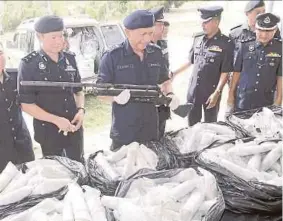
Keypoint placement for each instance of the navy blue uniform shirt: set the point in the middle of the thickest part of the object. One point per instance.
(38, 66)
(15, 140)
(210, 57)
(133, 121)
(259, 67)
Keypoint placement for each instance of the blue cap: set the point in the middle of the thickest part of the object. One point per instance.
(251, 5)
(267, 21)
(209, 12)
(139, 19)
(49, 23)
(158, 13)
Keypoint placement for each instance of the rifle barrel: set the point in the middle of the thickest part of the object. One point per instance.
(93, 85)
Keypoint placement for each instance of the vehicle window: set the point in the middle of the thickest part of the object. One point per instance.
(83, 41)
(112, 34)
(23, 42)
(16, 39)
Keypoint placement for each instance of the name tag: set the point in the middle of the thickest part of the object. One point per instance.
(125, 66)
(154, 65)
(69, 68)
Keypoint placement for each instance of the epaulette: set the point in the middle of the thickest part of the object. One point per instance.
(278, 39)
(70, 53)
(198, 34)
(248, 39)
(154, 45)
(238, 26)
(30, 56)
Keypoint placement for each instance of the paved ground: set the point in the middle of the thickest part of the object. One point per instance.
(184, 22)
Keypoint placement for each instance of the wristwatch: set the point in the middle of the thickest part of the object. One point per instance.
(81, 108)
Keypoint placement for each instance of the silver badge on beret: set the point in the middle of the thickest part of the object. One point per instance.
(41, 66)
(251, 48)
(266, 20)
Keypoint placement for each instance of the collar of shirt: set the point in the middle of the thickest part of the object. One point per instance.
(245, 26)
(48, 59)
(128, 50)
(260, 45)
(214, 37)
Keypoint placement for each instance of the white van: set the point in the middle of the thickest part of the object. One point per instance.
(88, 39)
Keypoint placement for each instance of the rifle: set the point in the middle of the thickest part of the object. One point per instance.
(139, 93)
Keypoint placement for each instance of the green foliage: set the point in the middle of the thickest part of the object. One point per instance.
(16, 11)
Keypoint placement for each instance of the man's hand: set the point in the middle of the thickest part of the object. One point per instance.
(64, 125)
(123, 97)
(212, 100)
(78, 119)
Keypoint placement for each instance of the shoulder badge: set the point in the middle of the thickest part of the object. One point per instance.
(30, 56)
(70, 53)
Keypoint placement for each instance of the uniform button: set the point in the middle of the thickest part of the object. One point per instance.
(65, 99)
(43, 125)
(3, 89)
(256, 82)
(197, 84)
(67, 111)
(259, 67)
(60, 77)
(258, 75)
(255, 89)
(250, 57)
(15, 138)
(45, 79)
(262, 51)
(11, 119)
(260, 59)
(6, 99)
(13, 129)
(213, 85)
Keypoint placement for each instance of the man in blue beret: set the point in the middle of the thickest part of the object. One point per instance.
(212, 56)
(136, 61)
(58, 113)
(258, 68)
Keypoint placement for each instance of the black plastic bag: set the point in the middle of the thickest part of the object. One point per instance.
(230, 216)
(98, 178)
(214, 213)
(240, 196)
(75, 167)
(278, 111)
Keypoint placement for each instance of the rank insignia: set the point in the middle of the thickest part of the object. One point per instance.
(273, 55)
(215, 48)
(41, 66)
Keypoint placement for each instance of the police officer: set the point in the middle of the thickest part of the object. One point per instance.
(246, 31)
(164, 111)
(258, 68)
(165, 30)
(135, 61)
(212, 56)
(58, 113)
(15, 140)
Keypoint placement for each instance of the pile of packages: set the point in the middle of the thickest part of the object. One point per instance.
(213, 171)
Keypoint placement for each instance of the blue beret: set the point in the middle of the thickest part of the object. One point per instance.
(208, 12)
(49, 23)
(158, 13)
(267, 21)
(139, 19)
(253, 4)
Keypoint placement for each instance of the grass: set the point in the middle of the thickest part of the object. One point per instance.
(98, 113)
